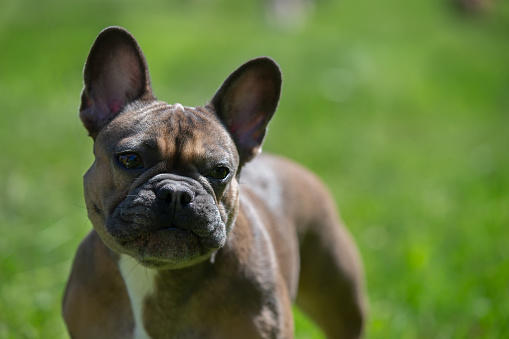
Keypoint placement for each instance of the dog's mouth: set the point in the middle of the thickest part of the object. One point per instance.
(173, 237)
(171, 247)
(168, 219)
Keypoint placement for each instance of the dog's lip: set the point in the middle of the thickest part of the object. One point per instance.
(142, 240)
(145, 235)
(170, 239)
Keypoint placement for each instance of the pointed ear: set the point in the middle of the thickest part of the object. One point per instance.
(115, 74)
(247, 101)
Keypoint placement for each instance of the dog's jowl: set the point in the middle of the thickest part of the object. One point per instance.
(195, 234)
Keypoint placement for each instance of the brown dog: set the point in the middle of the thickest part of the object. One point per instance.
(180, 248)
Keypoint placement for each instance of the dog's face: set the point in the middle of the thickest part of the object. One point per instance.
(164, 185)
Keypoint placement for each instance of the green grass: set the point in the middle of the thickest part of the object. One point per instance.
(401, 107)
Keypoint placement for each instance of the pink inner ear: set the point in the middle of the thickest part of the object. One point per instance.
(248, 113)
(115, 105)
(248, 131)
(121, 80)
(106, 104)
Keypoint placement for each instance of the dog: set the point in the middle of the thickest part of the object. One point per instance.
(194, 235)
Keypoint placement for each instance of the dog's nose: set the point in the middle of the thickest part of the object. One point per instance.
(175, 194)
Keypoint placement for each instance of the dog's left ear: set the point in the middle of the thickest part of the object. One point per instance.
(115, 74)
(247, 101)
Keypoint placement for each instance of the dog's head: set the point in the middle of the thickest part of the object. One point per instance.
(164, 185)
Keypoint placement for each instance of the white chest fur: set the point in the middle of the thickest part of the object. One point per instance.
(140, 284)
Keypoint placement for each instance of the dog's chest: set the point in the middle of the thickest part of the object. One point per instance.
(139, 281)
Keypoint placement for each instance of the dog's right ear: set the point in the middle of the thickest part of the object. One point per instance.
(246, 102)
(115, 74)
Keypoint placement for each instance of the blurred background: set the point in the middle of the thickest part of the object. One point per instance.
(401, 107)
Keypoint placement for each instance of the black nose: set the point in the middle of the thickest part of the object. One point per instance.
(175, 194)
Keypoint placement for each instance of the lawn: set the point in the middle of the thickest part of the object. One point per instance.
(401, 107)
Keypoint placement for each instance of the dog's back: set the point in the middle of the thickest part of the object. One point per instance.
(315, 252)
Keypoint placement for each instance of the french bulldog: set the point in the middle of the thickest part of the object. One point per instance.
(194, 237)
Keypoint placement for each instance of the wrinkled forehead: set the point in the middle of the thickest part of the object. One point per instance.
(187, 132)
(175, 130)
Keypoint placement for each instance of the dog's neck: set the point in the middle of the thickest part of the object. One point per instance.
(150, 286)
(140, 283)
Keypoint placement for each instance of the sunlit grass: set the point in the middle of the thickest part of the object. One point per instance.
(401, 108)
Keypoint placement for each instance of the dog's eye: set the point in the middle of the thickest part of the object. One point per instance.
(219, 173)
(130, 161)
